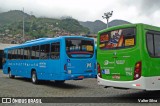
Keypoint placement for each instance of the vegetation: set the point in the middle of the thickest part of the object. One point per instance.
(12, 23)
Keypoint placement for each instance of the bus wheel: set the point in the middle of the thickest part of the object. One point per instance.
(10, 74)
(59, 81)
(34, 77)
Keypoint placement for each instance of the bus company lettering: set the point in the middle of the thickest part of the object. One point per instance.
(106, 62)
(120, 61)
(89, 65)
(128, 71)
(42, 64)
(69, 64)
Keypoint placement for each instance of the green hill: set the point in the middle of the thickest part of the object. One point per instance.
(99, 25)
(12, 22)
(12, 17)
(117, 22)
(95, 26)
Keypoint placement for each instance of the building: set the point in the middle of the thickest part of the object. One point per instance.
(94, 36)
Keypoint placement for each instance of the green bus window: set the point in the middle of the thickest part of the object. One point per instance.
(150, 44)
(120, 38)
(157, 45)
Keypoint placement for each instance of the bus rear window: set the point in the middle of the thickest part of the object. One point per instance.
(79, 48)
(120, 38)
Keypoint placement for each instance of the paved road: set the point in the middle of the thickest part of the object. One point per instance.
(21, 87)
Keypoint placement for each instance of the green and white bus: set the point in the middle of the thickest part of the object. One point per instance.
(128, 56)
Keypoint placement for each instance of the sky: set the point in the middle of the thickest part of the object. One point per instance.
(134, 11)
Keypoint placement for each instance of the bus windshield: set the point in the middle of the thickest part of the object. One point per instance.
(79, 48)
(120, 38)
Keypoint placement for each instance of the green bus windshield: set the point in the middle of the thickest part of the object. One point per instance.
(120, 38)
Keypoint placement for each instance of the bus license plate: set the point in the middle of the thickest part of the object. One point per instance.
(116, 76)
(81, 77)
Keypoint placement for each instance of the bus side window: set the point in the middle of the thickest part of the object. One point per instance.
(157, 45)
(153, 44)
(44, 51)
(47, 51)
(35, 52)
(150, 44)
(21, 55)
(27, 53)
(55, 50)
(42, 54)
(18, 53)
(9, 54)
(14, 54)
(4, 57)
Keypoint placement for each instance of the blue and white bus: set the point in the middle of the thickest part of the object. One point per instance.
(59, 59)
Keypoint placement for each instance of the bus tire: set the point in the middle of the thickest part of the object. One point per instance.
(10, 74)
(59, 81)
(34, 77)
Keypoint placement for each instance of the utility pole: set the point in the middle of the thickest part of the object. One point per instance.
(107, 16)
(23, 25)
